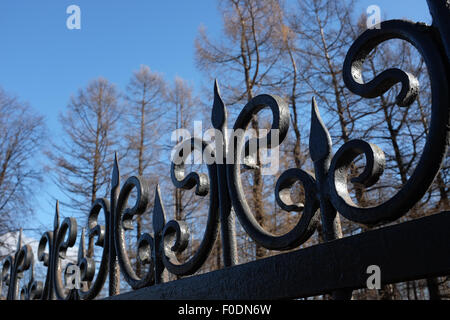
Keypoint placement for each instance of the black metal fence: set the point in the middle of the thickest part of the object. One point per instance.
(407, 251)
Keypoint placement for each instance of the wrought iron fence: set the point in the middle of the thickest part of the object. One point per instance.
(294, 274)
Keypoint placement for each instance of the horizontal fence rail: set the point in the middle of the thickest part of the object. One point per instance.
(407, 251)
(399, 251)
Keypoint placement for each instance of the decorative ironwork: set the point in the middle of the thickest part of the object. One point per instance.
(14, 268)
(326, 191)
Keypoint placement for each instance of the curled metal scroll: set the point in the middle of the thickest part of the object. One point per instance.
(33, 289)
(87, 264)
(66, 238)
(326, 190)
(305, 226)
(123, 221)
(46, 241)
(176, 233)
(423, 38)
(57, 241)
(14, 267)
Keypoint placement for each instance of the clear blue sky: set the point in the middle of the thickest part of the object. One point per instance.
(43, 62)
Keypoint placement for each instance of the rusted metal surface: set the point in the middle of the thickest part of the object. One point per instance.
(408, 251)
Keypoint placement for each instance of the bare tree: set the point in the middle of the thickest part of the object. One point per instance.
(82, 161)
(244, 62)
(145, 97)
(22, 133)
(325, 30)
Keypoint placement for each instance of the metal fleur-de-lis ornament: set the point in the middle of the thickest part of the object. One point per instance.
(159, 252)
(114, 270)
(93, 277)
(320, 145)
(150, 249)
(58, 241)
(14, 267)
(326, 192)
(227, 220)
(159, 222)
(320, 149)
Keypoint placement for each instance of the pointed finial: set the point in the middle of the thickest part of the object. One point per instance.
(81, 247)
(159, 216)
(219, 111)
(19, 240)
(115, 178)
(319, 137)
(56, 219)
